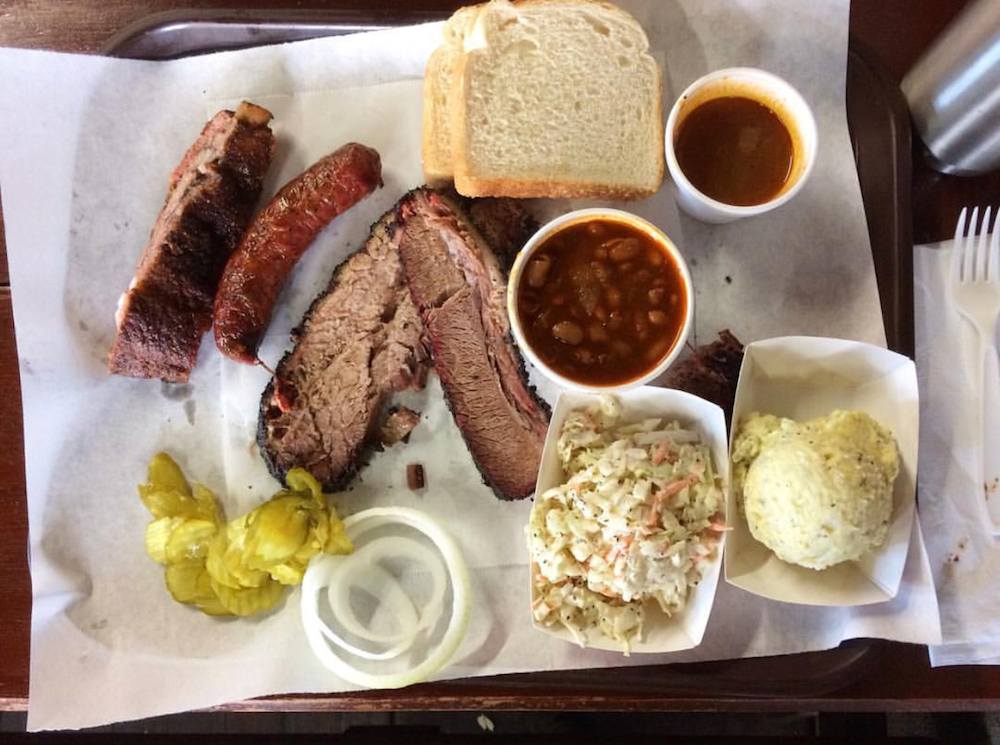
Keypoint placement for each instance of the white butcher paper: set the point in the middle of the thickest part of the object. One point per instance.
(86, 146)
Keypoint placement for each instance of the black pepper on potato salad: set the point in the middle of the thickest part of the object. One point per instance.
(638, 519)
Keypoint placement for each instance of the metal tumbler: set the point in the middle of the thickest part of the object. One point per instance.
(954, 92)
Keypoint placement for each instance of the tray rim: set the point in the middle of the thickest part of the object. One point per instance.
(859, 655)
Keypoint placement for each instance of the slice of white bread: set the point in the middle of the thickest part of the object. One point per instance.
(556, 98)
(438, 78)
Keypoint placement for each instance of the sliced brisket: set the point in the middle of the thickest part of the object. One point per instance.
(360, 341)
(458, 285)
(168, 307)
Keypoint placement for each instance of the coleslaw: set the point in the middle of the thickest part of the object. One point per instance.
(638, 519)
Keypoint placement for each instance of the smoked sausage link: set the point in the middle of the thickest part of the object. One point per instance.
(277, 238)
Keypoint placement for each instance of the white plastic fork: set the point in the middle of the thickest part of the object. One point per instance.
(975, 292)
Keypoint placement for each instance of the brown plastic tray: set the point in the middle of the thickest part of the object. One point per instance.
(880, 133)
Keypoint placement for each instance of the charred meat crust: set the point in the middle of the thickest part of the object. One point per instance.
(210, 200)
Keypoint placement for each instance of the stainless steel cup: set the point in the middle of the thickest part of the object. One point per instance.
(954, 92)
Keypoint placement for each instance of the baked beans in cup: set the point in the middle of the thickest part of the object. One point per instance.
(600, 300)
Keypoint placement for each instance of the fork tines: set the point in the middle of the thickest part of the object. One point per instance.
(976, 257)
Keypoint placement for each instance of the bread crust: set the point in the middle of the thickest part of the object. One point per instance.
(436, 165)
(436, 157)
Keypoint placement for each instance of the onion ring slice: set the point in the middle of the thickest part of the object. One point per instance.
(320, 572)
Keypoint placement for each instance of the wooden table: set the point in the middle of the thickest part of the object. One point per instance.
(898, 676)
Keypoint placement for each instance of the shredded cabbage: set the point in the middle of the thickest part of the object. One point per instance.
(637, 520)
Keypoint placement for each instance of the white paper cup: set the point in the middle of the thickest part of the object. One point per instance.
(761, 86)
(517, 271)
(661, 633)
(802, 377)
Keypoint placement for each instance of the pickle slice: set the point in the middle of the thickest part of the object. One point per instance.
(249, 600)
(208, 504)
(158, 534)
(225, 558)
(215, 561)
(300, 480)
(239, 567)
(182, 581)
(167, 502)
(289, 573)
(165, 474)
(189, 540)
(277, 529)
(337, 541)
(212, 606)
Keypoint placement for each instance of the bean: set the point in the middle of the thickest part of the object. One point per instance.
(657, 350)
(600, 270)
(600, 253)
(656, 295)
(595, 228)
(600, 313)
(538, 270)
(585, 356)
(615, 320)
(641, 329)
(673, 299)
(559, 299)
(568, 332)
(623, 249)
(622, 349)
(613, 297)
(528, 305)
(654, 256)
(597, 333)
(658, 318)
(642, 277)
(660, 282)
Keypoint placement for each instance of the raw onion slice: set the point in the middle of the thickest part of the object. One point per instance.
(331, 571)
(366, 559)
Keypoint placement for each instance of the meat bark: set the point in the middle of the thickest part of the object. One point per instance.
(168, 307)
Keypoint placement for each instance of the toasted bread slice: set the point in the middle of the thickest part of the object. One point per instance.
(556, 98)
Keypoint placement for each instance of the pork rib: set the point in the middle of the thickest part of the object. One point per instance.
(167, 308)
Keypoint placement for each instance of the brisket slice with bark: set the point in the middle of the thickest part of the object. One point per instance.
(360, 341)
(168, 307)
(363, 339)
(711, 372)
(458, 285)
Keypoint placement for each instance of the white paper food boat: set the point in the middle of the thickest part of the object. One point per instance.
(661, 633)
(802, 377)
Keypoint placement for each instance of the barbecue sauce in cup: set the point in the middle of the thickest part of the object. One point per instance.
(735, 150)
(601, 302)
